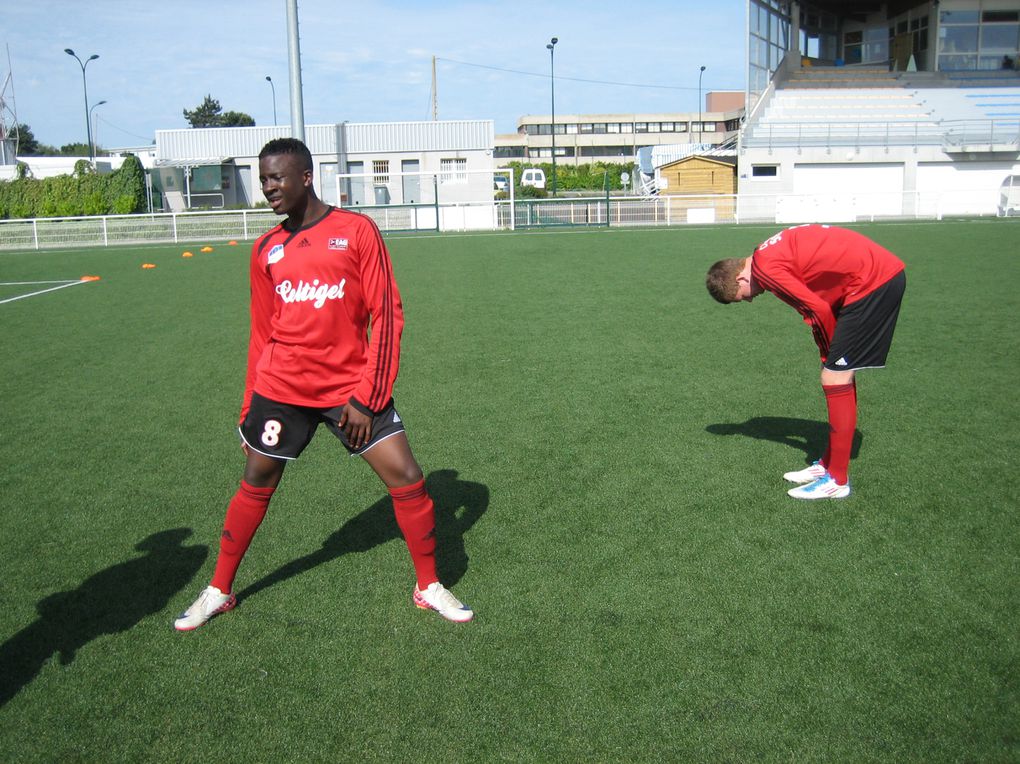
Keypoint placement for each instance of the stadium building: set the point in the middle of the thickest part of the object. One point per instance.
(861, 110)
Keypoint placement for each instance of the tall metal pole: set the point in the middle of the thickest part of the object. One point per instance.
(95, 131)
(552, 91)
(700, 126)
(270, 81)
(85, 86)
(297, 108)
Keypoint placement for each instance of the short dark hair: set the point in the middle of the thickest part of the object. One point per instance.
(722, 279)
(288, 146)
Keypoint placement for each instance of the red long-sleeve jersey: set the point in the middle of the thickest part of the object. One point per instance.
(818, 269)
(314, 293)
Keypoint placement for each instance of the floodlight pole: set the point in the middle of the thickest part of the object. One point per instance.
(297, 107)
(85, 85)
(95, 133)
(552, 92)
(270, 81)
(700, 126)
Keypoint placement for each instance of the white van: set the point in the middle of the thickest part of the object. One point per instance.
(533, 176)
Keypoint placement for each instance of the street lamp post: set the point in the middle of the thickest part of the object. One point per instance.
(85, 86)
(552, 92)
(95, 133)
(700, 125)
(270, 81)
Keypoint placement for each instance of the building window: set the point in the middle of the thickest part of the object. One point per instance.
(599, 128)
(764, 171)
(381, 170)
(453, 171)
(613, 127)
(626, 127)
(640, 127)
(587, 129)
(668, 127)
(571, 128)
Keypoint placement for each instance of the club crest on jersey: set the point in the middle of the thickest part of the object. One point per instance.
(275, 254)
(337, 243)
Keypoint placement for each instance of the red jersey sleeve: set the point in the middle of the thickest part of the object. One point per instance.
(779, 278)
(386, 321)
(262, 307)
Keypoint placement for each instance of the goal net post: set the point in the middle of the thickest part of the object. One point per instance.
(453, 199)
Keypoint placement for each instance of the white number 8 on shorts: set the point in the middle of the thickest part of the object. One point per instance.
(271, 433)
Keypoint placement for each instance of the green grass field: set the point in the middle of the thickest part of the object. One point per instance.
(605, 446)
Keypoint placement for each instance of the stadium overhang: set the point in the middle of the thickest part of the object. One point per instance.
(194, 162)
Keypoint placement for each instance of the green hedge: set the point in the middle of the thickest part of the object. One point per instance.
(570, 177)
(85, 192)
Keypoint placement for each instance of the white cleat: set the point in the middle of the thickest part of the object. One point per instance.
(209, 603)
(437, 597)
(806, 475)
(824, 488)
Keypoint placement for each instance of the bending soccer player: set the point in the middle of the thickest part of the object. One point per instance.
(318, 281)
(849, 290)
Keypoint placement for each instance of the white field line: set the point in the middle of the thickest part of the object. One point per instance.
(63, 285)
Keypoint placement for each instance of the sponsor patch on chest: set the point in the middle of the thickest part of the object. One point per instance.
(337, 243)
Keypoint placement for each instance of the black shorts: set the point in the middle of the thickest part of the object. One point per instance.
(282, 431)
(864, 329)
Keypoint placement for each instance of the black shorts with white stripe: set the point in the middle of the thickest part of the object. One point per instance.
(864, 329)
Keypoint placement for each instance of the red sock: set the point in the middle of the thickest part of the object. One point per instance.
(244, 515)
(841, 401)
(824, 461)
(416, 516)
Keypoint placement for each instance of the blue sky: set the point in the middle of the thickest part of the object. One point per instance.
(363, 62)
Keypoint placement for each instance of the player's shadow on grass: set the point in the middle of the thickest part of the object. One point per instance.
(109, 602)
(459, 504)
(807, 435)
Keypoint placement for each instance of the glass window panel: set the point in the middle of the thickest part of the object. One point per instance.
(997, 16)
(1000, 37)
(957, 63)
(959, 40)
(959, 17)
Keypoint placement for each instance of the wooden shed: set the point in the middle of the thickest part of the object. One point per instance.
(698, 175)
(694, 181)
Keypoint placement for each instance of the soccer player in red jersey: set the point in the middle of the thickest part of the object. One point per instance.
(849, 290)
(319, 281)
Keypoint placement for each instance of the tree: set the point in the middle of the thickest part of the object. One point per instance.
(27, 143)
(209, 113)
(74, 150)
(236, 119)
(206, 114)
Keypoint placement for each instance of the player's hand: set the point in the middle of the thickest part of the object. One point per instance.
(357, 426)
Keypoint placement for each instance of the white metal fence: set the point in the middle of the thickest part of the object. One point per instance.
(603, 211)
